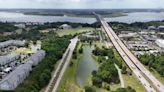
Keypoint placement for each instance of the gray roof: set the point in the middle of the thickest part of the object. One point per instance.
(16, 77)
(37, 57)
(12, 42)
(8, 58)
(21, 72)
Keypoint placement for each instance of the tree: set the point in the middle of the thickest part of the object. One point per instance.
(97, 81)
(89, 89)
(124, 70)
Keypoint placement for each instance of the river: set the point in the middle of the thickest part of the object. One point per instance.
(131, 17)
(86, 65)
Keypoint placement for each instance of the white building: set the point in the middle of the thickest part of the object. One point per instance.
(128, 35)
(65, 26)
(20, 25)
(160, 43)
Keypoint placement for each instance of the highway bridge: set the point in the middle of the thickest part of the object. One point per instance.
(134, 64)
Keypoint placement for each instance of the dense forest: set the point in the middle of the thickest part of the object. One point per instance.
(106, 73)
(7, 27)
(154, 62)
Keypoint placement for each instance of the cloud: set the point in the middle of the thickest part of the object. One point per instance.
(81, 3)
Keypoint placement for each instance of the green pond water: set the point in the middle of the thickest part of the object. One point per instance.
(86, 65)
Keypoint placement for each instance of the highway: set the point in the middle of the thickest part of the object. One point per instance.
(59, 72)
(124, 53)
(159, 86)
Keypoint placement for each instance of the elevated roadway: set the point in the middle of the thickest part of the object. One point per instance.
(134, 64)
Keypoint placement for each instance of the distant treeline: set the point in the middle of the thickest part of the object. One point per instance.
(7, 27)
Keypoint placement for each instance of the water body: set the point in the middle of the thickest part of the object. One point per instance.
(132, 17)
(86, 65)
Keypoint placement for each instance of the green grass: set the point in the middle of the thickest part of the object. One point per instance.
(68, 82)
(99, 44)
(133, 82)
(130, 80)
(74, 31)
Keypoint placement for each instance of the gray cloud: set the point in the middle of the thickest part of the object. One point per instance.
(81, 3)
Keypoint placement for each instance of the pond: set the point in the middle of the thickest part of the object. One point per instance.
(86, 65)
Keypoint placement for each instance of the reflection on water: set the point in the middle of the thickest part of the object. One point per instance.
(86, 65)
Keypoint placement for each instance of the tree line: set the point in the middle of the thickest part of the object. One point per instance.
(154, 62)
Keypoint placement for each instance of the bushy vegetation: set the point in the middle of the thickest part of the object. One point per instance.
(136, 26)
(89, 89)
(107, 73)
(128, 89)
(41, 74)
(154, 62)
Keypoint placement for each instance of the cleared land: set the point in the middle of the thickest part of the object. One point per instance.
(74, 31)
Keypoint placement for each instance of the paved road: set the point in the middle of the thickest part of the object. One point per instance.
(59, 72)
(120, 76)
(114, 38)
(159, 86)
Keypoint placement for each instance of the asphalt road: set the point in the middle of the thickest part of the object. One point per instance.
(59, 72)
(159, 86)
(114, 38)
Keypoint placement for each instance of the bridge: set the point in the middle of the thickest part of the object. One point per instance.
(150, 83)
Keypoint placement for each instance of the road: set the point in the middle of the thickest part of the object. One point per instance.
(120, 76)
(159, 86)
(59, 72)
(116, 42)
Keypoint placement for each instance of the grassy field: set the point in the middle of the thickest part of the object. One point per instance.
(74, 31)
(133, 82)
(130, 80)
(68, 82)
(98, 44)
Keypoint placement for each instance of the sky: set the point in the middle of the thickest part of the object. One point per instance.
(82, 4)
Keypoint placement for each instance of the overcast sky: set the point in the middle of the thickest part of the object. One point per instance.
(82, 4)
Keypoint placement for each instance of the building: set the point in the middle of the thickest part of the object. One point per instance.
(8, 59)
(17, 76)
(152, 28)
(90, 35)
(161, 28)
(37, 57)
(44, 31)
(65, 26)
(11, 43)
(160, 43)
(128, 35)
(20, 25)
